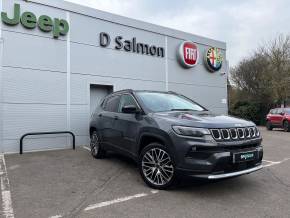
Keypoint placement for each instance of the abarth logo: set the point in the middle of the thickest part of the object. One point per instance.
(188, 54)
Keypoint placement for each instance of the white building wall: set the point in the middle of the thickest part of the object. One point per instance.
(36, 83)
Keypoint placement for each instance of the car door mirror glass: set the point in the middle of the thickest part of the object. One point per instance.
(130, 109)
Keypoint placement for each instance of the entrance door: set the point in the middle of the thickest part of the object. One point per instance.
(97, 93)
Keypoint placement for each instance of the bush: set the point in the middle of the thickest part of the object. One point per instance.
(249, 111)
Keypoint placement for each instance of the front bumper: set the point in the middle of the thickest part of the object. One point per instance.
(202, 160)
(228, 175)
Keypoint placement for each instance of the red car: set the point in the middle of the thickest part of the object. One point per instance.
(279, 118)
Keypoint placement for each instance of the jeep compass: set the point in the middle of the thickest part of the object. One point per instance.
(169, 135)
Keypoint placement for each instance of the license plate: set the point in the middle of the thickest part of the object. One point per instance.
(244, 156)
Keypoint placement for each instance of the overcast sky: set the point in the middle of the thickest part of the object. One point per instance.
(243, 25)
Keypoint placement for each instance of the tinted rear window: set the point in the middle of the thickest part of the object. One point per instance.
(112, 104)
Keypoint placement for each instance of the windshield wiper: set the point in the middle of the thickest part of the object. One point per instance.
(182, 109)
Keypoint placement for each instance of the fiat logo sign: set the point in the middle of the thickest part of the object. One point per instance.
(188, 54)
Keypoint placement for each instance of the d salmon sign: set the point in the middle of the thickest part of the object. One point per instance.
(188, 54)
(213, 59)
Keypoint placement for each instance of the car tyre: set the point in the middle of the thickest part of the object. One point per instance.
(286, 126)
(96, 149)
(269, 125)
(156, 165)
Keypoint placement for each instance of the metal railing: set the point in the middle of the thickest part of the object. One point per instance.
(47, 133)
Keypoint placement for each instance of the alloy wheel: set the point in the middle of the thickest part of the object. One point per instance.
(157, 166)
(95, 144)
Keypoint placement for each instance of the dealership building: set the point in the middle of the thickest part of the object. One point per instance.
(58, 60)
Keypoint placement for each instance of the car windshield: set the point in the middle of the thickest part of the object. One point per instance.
(287, 110)
(158, 102)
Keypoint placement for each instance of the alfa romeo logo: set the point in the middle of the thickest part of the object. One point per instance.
(213, 59)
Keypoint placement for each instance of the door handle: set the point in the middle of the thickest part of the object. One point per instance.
(116, 117)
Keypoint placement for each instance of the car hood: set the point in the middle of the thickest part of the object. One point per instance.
(202, 119)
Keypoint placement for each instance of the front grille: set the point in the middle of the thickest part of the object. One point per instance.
(226, 134)
(216, 134)
(234, 133)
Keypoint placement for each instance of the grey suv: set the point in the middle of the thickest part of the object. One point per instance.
(168, 134)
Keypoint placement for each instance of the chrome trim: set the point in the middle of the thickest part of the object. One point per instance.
(227, 175)
(235, 132)
(243, 136)
(220, 135)
(257, 132)
(227, 132)
(254, 133)
(249, 135)
(240, 132)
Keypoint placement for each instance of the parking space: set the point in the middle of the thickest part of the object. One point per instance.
(69, 183)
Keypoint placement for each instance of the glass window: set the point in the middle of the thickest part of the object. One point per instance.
(274, 111)
(112, 104)
(279, 110)
(287, 110)
(157, 102)
(125, 101)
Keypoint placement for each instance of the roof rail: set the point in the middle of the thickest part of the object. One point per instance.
(123, 90)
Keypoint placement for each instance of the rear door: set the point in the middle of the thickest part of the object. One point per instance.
(107, 120)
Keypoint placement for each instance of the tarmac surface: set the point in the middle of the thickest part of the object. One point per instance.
(68, 183)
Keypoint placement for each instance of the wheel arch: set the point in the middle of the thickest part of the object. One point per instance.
(92, 129)
(154, 135)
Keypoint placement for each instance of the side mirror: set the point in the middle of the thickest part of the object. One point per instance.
(282, 113)
(130, 109)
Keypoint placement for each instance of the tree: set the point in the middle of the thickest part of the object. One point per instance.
(278, 52)
(261, 81)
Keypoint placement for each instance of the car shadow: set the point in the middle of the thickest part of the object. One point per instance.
(187, 183)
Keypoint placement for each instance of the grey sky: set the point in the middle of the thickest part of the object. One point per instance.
(242, 24)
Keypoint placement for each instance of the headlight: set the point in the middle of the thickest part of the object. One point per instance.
(190, 131)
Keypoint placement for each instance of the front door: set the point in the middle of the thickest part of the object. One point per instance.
(127, 125)
(280, 116)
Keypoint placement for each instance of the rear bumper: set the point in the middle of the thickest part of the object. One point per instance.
(228, 175)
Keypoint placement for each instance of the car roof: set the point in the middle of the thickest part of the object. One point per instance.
(134, 91)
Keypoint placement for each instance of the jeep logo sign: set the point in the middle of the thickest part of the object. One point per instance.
(58, 27)
(188, 54)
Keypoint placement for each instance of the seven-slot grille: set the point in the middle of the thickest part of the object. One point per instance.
(235, 133)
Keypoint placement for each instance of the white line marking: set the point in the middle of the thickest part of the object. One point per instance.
(86, 148)
(269, 161)
(56, 216)
(154, 191)
(272, 163)
(118, 200)
(7, 209)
